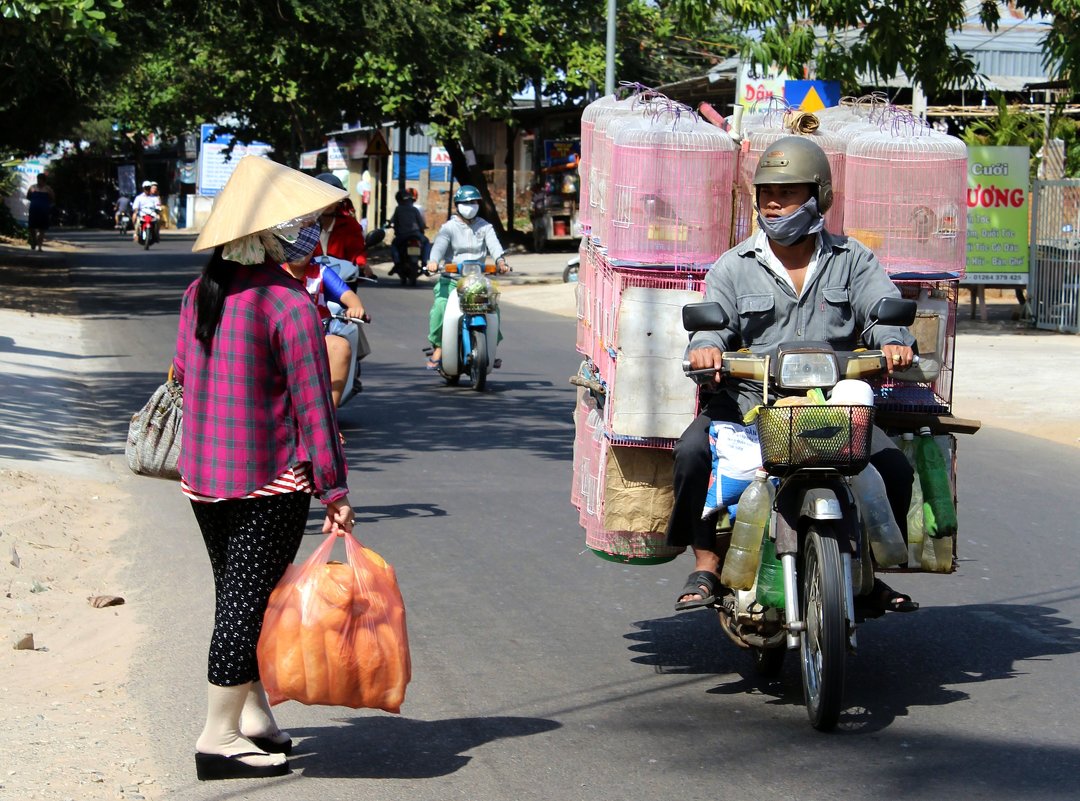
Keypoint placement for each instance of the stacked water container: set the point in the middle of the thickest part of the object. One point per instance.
(659, 215)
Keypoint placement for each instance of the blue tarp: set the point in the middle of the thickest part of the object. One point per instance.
(414, 163)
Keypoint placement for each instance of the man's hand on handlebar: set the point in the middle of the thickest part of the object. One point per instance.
(702, 358)
(432, 268)
(898, 357)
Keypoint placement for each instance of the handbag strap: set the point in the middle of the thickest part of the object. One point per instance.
(169, 377)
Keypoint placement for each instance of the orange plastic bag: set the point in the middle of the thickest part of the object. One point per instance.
(334, 634)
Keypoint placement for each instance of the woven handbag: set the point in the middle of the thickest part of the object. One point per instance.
(153, 441)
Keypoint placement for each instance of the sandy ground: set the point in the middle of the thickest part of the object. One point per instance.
(70, 733)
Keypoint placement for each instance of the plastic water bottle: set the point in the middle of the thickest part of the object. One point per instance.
(886, 541)
(939, 511)
(915, 511)
(751, 519)
(770, 577)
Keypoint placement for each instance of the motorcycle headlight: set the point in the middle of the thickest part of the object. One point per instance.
(808, 369)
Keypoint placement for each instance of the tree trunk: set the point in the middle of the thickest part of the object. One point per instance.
(464, 174)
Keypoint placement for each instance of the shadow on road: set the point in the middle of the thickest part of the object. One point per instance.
(903, 661)
(402, 748)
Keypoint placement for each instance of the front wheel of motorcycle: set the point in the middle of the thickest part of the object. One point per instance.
(478, 363)
(824, 642)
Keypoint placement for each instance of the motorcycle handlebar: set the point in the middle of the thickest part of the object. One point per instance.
(366, 319)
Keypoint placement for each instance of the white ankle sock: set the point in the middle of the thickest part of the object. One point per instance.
(221, 734)
(257, 719)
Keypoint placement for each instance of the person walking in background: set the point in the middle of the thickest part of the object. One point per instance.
(260, 437)
(41, 198)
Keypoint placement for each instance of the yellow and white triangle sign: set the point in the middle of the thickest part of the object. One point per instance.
(812, 102)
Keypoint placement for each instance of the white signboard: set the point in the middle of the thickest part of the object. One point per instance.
(440, 157)
(335, 156)
(214, 169)
(757, 86)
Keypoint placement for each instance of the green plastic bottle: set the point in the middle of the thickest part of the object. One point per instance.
(770, 577)
(915, 511)
(939, 511)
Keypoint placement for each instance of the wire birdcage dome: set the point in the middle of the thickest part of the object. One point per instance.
(755, 143)
(670, 190)
(906, 198)
(602, 107)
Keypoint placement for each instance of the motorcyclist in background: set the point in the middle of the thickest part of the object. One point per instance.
(324, 284)
(408, 222)
(149, 201)
(791, 280)
(464, 237)
(342, 235)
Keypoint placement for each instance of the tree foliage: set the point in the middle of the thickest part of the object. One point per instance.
(840, 39)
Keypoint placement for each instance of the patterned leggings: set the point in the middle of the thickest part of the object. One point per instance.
(250, 542)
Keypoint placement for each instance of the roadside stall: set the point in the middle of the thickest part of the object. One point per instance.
(556, 193)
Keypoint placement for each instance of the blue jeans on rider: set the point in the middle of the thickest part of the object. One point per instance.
(693, 466)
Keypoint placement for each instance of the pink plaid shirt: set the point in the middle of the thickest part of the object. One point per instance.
(259, 402)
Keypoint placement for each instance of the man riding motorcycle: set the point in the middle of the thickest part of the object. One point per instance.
(791, 280)
(342, 235)
(464, 237)
(408, 223)
(147, 202)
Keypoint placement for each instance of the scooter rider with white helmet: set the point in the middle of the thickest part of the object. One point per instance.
(464, 237)
(148, 201)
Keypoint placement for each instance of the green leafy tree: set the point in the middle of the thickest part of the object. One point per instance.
(840, 39)
(56, 57)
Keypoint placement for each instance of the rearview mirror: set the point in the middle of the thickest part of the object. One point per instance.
(705, 316)
(894, 311)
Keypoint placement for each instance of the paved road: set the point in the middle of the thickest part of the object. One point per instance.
(541, 672)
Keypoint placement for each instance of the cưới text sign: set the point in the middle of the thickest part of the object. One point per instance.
(997, 215)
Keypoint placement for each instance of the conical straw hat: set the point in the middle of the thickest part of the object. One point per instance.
(261, 194)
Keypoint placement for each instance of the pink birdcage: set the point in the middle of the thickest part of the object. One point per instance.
(589, 115)
(754, 144)
(599, 163)
(906, 194)
(669, 190)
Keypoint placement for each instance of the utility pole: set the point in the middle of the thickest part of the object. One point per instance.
(609, 73)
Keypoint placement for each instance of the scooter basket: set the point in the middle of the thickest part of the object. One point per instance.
(836, 437)
(477, 294)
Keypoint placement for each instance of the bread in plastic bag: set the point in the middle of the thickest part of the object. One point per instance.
(334, 634)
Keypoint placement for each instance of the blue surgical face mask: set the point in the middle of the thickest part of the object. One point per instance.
(790, 228)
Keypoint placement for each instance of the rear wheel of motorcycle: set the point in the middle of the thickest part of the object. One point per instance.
(148, 237)
(479, 361)
(823, 643)
(768, 662)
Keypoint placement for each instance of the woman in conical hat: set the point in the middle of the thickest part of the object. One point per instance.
(260, 438)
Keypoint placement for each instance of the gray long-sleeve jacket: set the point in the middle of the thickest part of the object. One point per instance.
(466, 241)
(765, 312)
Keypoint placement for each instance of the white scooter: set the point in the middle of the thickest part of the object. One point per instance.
(470, 331)
(353, 331)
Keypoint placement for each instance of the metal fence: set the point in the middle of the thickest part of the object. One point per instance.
(1054, 286)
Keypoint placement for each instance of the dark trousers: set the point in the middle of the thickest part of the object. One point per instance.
(693, 465)
(250, 542)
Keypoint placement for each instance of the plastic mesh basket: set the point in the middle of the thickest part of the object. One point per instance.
(836, 437)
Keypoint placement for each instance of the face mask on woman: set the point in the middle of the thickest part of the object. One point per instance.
(790, 228)
(468, 210)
